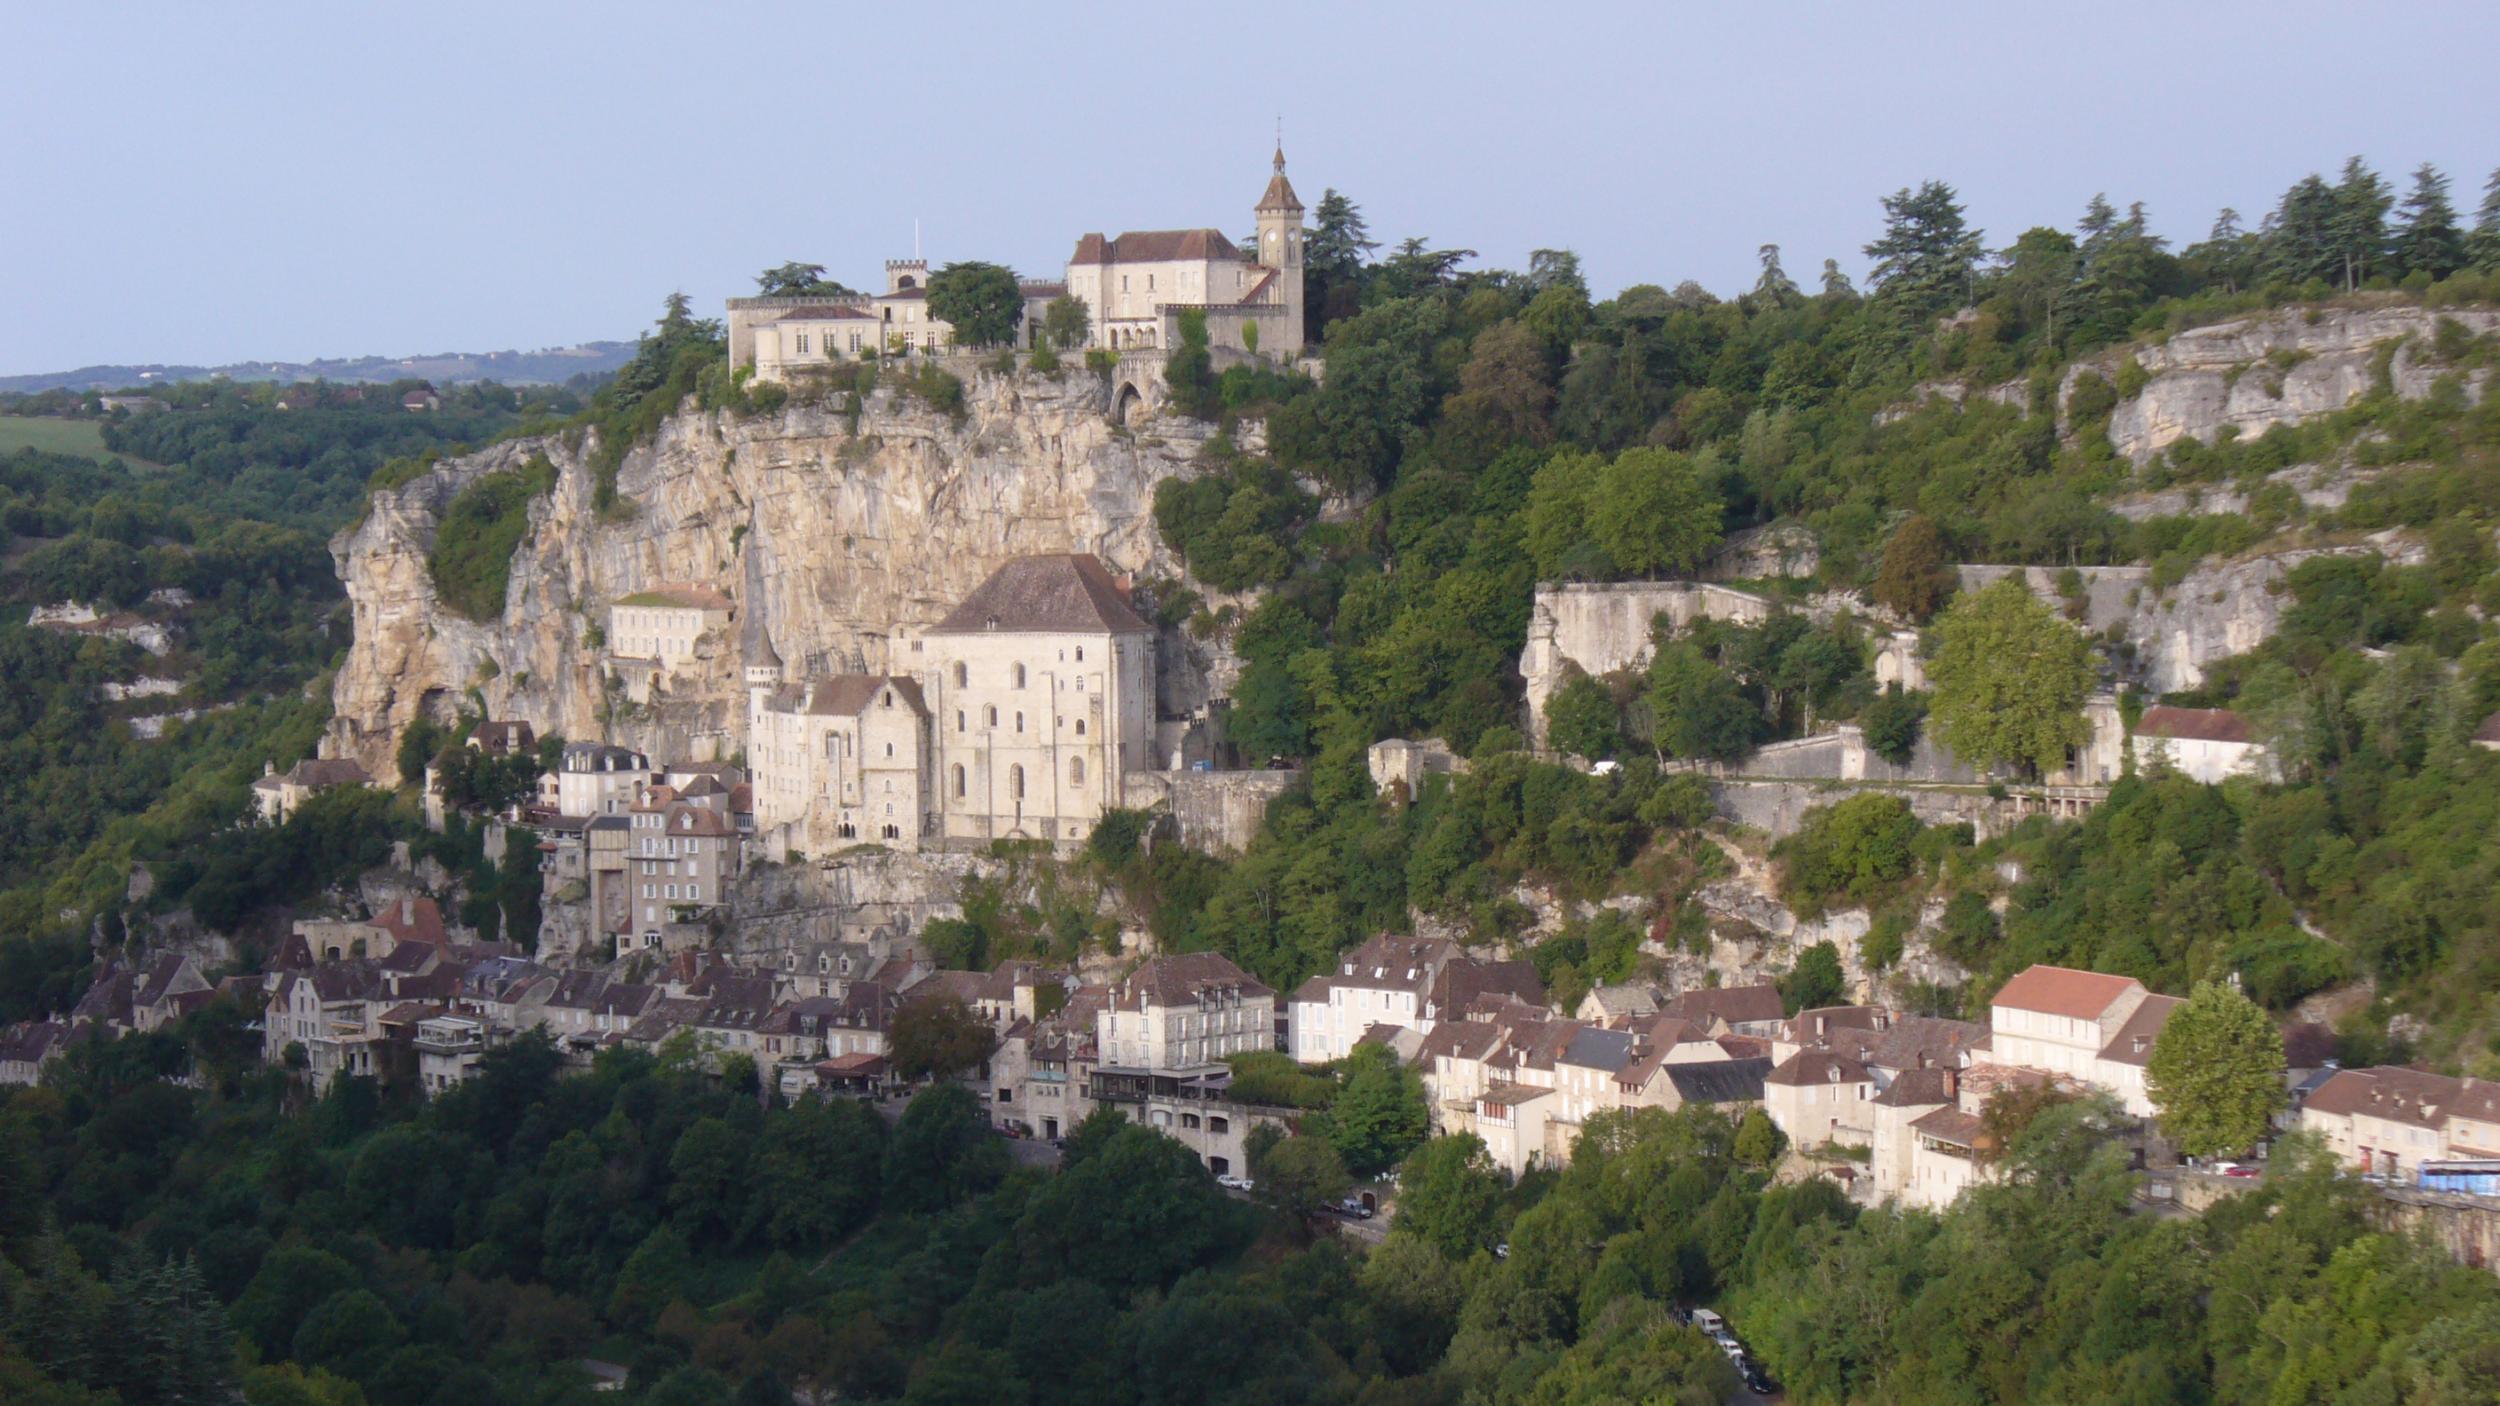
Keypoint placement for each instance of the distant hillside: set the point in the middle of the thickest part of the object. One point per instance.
(552, 365)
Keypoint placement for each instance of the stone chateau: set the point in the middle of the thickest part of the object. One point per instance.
(1134, 287)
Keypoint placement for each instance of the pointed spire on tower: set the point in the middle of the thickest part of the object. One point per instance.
(1279, 195)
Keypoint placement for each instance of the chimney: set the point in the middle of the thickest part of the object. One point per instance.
(1953, 1083)
(407, 912)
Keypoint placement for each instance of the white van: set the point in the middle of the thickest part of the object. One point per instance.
(1710, 1323)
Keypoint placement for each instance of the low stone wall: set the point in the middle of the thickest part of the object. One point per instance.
(1214, 811)
(2467, 1227)
(1779, 808)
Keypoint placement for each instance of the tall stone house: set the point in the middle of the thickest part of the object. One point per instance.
(1021, 715)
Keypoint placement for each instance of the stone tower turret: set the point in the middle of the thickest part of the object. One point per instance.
(1280, 248)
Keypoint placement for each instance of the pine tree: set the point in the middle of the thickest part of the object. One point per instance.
(1836, 284)
(1775, 287)
(1928, 254)
(2228, 254)
(1333, 260)
(2358, 228)
(2484, 247)
(2299, 238)
(2428, 240)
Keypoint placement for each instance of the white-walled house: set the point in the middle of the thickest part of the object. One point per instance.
(2202, 744)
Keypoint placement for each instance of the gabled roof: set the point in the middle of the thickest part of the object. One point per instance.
(1595, 1048)
(1057, 593)
(1466, 981)
(2489, 731)
(2064, 991)
(1950, 1125)
(411, 918)
(1719, 1081)
(1913, 1088)
(846, 695)
(2133, 1044)
(2391, 1092)
(1155, 246)
(2193, 724)
(315, 773)
(1177, 980)
(1737, 1005)
(1807, 1067)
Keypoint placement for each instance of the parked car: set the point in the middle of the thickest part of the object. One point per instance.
(2242, 1170)
(1233, 1183)
(1709, 1322)
(1352, 1208)
(1502, 1251)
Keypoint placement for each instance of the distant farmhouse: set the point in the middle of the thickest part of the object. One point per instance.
(1135, 288)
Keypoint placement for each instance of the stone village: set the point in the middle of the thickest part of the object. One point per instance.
(1028, 712)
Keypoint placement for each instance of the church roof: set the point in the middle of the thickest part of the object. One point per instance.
(1279, 195)
(1058, 593)
(845, 695)
(1156, 246)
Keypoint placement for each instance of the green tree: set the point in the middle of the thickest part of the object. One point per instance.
(2358, 225)
(1557, 518)
(2483, 247)
(2216, 1072)
(2010, 678)
(1450, 1196)
(1378, 1116)
(1915, 575)
(935, 1036)
(2427, 237)
(1892, 724)
(942, 1151)
(1927, 256)
(1067, 322)
(1815, 981)
(1650, 513)
(1299, 1175)
(1581, 718)
(981, 302)
(1851, 852)
(798, 279)
(1759, 1141)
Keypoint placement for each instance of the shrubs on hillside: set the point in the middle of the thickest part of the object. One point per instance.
(471, 561)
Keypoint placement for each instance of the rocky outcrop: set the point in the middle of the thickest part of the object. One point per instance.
(838, 533)
(2255, 373)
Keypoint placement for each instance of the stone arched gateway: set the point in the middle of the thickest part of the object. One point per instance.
(1130, 403)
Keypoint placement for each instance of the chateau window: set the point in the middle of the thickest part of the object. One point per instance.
(960, 674)
(1019, 676)
(1076, 771)
(802, 344)
(989, 716)
(1080, 654)
(1019, 720)
(1080, 683)
(959, 780)
(1080, 727)
(1015, 783)
(959, 719)
(1124, 283)
(889, 749)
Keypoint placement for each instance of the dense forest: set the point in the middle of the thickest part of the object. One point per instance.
(164, 1243)
(228, 500)
(1489, 429)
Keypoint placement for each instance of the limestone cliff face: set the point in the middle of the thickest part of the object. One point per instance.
(2259, 372)
(832, 535)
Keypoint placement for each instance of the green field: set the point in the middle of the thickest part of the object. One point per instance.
(51, 435)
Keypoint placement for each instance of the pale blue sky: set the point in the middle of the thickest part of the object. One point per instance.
(205, 183)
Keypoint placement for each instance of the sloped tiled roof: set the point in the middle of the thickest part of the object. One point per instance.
(2133, 1044)
(1465, 981)
(1595, 1048)
(2193, 724)
(1914, 1087)
(1177, 980)
(1056, 593)
(1737, 1005)
(1950, 1125)
(2063, 991)
(2392, 1092)
(1719, 1081)
(1155, 246)
(846, 695)
(1817, 1067)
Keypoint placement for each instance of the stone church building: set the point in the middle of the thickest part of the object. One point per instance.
(1135, 287)
(1021, 715)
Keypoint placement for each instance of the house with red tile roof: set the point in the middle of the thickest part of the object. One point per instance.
(2202, 744)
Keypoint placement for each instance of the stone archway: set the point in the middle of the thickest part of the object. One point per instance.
(1128, 405)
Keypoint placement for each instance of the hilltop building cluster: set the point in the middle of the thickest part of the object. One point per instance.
(1135, 287)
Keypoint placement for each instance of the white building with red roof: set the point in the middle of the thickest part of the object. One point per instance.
(2202, 744)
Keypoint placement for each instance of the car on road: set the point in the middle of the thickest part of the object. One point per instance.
(1234, 1183)
(1352, 1208)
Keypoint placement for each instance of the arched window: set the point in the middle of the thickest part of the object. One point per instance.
(1015, 783)
(1019, 720)
(959, 719)
(1080, 727)
(1080, 654)
(989, 716)
(959, 779)
(1076, 771)
(1018, 674)
(959, 675)
(889, 749)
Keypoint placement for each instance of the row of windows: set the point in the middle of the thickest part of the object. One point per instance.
(989, 718)
(693, 893)
(1015, 673)
(1015, 778)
